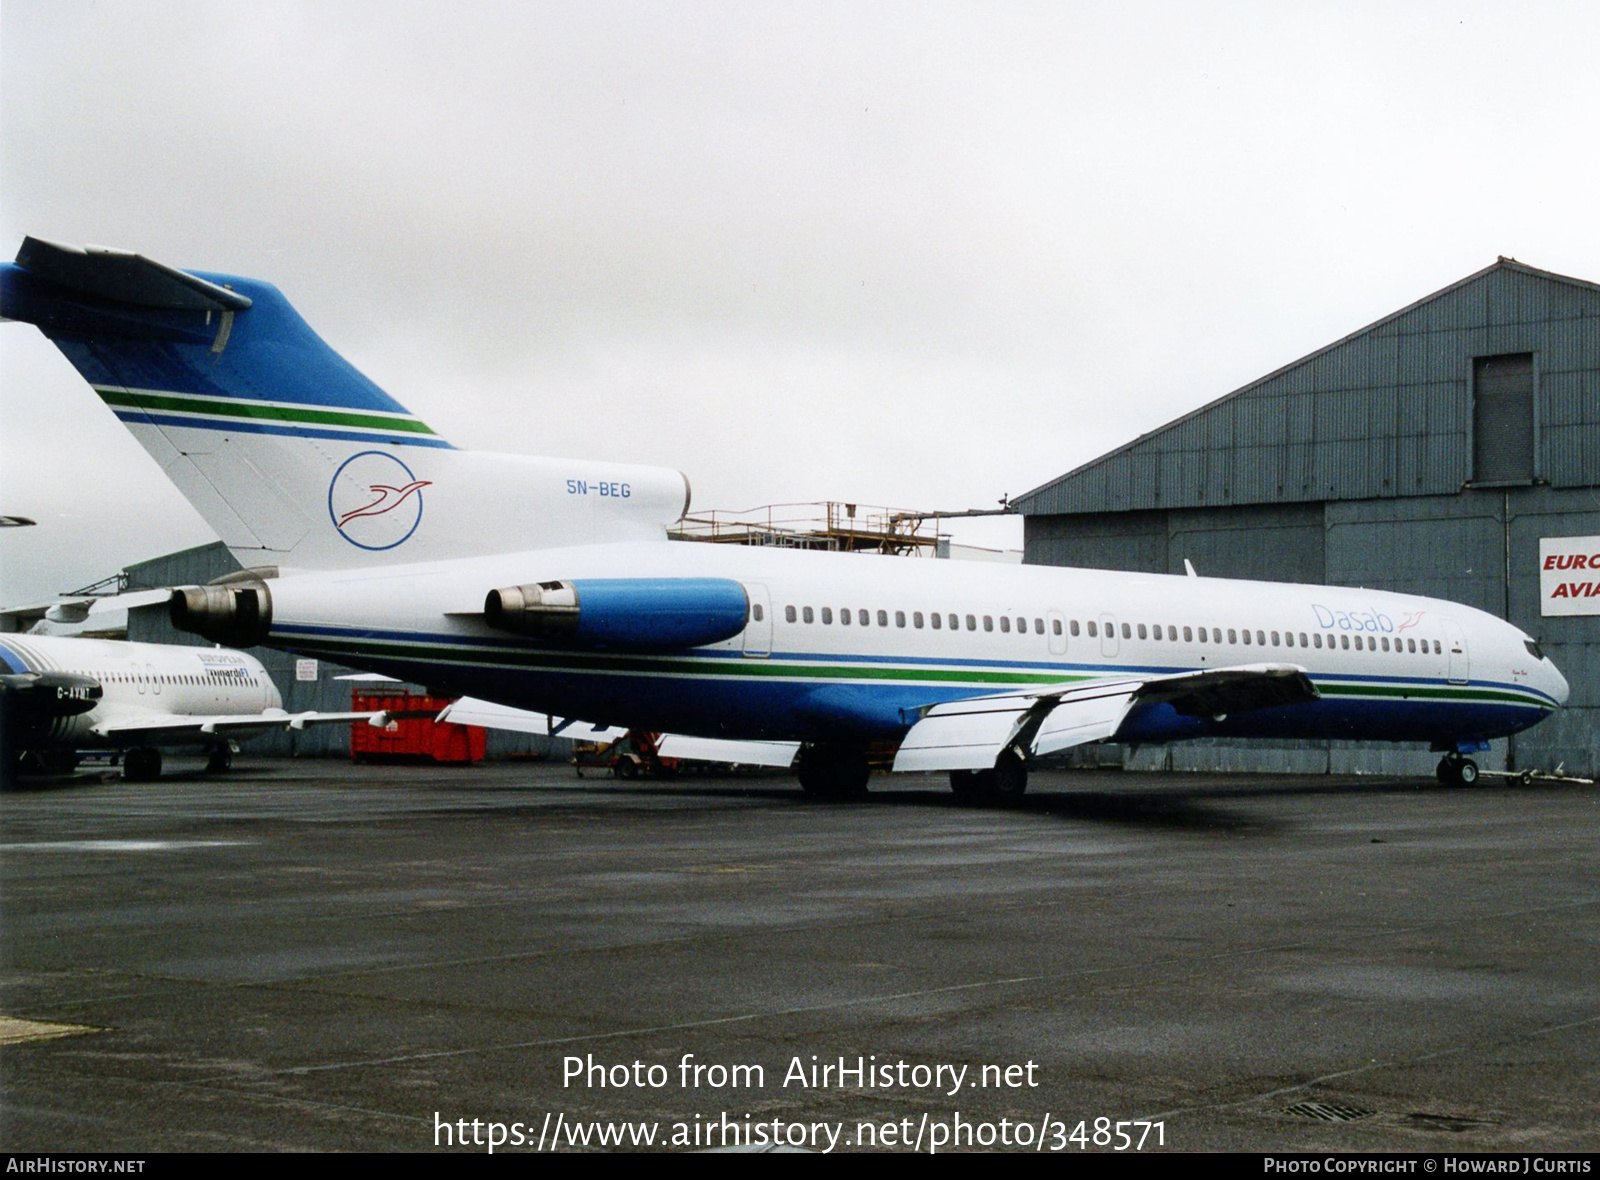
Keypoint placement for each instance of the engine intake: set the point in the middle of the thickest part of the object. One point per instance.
(628, 614)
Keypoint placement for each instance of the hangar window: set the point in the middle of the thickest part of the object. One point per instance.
(1502, 418)
(788, 614)
(883, 618)
(807, 614)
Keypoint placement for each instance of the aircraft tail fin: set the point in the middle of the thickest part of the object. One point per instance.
(293, 456)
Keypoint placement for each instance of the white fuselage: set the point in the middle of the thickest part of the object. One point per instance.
(141, 681)
(848, 645)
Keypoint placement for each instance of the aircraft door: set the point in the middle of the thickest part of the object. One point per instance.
(155, 680)
(1058, 633)
(758, 627)
(1455, 646)
(1108, 636)
(138, 676)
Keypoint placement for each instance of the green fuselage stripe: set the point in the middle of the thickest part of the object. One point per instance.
(257, 411)
(352, 651)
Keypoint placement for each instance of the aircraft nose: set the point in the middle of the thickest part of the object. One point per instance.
(1559, 687)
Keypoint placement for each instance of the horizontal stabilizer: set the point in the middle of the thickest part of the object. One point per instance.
(124, 277)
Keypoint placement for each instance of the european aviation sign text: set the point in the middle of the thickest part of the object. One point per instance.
(1569, 576)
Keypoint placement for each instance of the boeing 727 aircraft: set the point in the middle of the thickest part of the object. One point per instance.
(61, 694)
(550, 585)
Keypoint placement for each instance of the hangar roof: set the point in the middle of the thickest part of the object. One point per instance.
(1385, 411)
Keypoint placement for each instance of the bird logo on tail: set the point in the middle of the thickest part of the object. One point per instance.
(375, 500)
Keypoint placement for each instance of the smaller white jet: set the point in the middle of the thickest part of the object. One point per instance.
(61, 694)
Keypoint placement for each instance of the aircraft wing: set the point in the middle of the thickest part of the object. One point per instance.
(970, 734)
(176, 727)
(472, 711)
(730, 750)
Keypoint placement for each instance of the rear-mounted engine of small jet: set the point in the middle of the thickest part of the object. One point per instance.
(33, 696)
(628, 614)
(237, 612)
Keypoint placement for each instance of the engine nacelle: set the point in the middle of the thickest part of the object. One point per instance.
(30, 702)
(629, 614)
(236, 611)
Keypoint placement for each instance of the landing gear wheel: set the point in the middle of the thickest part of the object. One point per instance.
(142, 764)
(1010, 777)
(833, 772)
(1456, 771)
(221, 760)
(967, 784)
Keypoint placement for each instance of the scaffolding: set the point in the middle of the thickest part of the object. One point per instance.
(829, 525)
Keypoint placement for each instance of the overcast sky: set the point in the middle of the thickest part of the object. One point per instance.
(918, 254)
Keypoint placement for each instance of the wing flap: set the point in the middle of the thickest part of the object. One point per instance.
(729, 750)
(971, 734)
(175, 727)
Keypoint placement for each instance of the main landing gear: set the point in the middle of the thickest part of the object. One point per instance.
(142, 764)
(221, 758)
(1005, 783)
(833, 772)
(1457, 770)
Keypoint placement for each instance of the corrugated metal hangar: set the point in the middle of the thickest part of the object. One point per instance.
(1443, 450)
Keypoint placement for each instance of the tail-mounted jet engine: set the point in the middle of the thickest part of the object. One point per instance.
(236, 610)
(628, 614)
(31, 701)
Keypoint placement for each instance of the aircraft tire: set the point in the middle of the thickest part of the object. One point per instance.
(832, 772)
(221, 760)
(1009, 779)
(142, 764)
(1466, 772)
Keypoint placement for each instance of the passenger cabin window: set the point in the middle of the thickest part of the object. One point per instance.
(862, 617)
(1073, 627)
(899, 618)
(883, 618)
(807, 615)
(1055, 626)
(936, 619)
(1005, 624)
(788, 614)
(988, 622)
(1094, 629)
(844, 617)
(827, 615)
(916, 619)
(1142, 632)
(972, 623)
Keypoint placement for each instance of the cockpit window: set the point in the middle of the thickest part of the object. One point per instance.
(1534, 649)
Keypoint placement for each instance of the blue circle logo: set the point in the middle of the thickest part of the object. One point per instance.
(375, 501)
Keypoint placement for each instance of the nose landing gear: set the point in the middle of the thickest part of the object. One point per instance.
(1457, 770)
